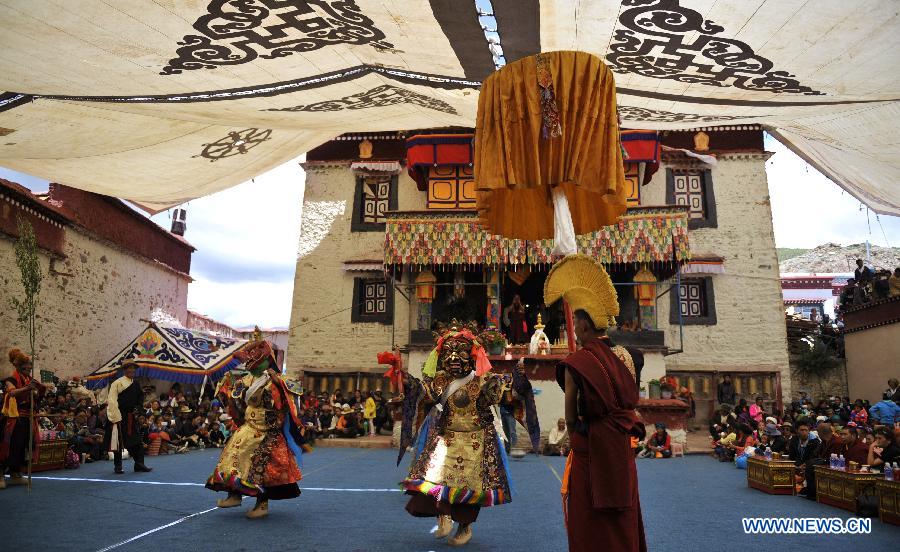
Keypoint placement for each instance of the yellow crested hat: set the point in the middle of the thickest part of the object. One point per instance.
(585, 285)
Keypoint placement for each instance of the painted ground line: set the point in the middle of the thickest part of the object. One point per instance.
(555, 473)
(191, 484)
(160, 528)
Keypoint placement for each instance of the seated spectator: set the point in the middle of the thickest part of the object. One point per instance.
(772, 439)
(310, 422)
(382, 414)
(155, 409)
(853, 449)
(658, 445)
(885, 411)
(88, 443)
(557, 440)
(829, 444)
(327, 421)
(346, 425)
(722, 447)
(884, 450)
(721, 420)
(803, 446)
(894, 283)
(859, 414)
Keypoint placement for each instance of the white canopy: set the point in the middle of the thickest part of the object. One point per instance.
(163, 101)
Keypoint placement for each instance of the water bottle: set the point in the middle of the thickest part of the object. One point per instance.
(832, 461)
(842, 463)
(888, 472)
(768, 453)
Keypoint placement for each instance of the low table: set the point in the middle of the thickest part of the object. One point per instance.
(771, 476)
(842, 488)
(888, 501)
(51, 455)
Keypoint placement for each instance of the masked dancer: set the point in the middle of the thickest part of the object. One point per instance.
(261, 457)
(460, 463)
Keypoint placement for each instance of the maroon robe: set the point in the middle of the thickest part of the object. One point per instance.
(603, 505)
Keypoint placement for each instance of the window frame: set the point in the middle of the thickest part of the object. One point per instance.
(709, 319)
(357, 224)
(710, 220)
(356, 312)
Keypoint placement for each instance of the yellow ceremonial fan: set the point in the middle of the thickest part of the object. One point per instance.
(585, 285)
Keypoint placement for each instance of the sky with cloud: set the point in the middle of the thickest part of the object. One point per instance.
(247, 236)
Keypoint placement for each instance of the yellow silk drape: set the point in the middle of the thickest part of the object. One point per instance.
(516, 167)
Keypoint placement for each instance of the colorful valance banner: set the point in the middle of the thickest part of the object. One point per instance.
(172, 353)
(643, 235)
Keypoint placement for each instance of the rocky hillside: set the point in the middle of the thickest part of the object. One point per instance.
(836, 258)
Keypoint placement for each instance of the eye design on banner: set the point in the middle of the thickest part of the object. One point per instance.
(234, 32)
(654, 44)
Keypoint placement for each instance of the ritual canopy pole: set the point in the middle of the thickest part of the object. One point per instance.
(570, 326)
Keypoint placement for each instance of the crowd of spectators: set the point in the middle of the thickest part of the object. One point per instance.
(329, 416)
(808, 433)
(869, 285)
(180, 419)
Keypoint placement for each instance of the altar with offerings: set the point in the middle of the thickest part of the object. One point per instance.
(774, 476)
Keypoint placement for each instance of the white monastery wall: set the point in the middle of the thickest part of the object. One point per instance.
(91, 303)
(750, 333)
(322, 337)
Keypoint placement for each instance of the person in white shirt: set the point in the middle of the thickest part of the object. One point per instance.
(557, 440)
(124, 403)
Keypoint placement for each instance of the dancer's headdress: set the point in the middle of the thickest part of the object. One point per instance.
(585, 285)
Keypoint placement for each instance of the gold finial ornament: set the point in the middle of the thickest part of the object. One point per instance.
(540, 323)
(257, 334)
(365, 149)
(701, 141)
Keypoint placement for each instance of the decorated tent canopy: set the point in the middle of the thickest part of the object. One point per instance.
(162, 102)
(174, 354)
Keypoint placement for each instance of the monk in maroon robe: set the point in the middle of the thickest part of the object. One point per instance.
(603, 507)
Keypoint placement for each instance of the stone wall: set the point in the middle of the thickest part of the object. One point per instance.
(749, 334)
(92, 303)
(322, 336)
(834, 383)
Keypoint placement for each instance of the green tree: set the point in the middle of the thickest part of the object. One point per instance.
(26, 307)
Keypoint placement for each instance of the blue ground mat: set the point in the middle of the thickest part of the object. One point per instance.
(351, 502)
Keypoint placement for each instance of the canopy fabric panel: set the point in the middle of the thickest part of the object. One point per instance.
(162, 102)
(172, 353)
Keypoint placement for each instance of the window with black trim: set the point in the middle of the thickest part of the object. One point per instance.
(695, 301)
(694, 189)
(373, 301)
(375, 195)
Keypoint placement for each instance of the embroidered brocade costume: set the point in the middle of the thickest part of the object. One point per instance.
(261, 458)
(460, 459)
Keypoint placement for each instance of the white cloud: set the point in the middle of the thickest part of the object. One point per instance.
(808, 209)
(243, 304)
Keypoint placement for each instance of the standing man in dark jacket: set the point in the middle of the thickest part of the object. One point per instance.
(726, 393)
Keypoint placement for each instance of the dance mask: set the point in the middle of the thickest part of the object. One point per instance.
(257, 356)
(458, 352)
